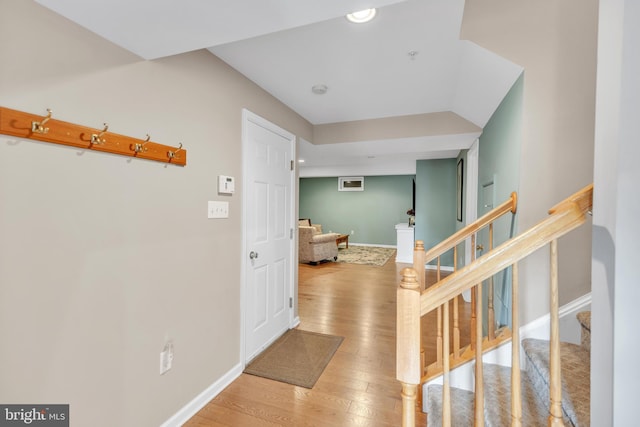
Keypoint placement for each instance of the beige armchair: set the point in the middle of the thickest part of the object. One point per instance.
(313, 245)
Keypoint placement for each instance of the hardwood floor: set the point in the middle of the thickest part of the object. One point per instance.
(358, 387)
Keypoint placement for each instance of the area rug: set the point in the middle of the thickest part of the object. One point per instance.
(298, 358)
(367, 255)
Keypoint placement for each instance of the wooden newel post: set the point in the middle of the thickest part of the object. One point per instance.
(408, 367)
(409, 392)
(418, 266)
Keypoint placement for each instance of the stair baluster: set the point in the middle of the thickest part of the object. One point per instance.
(419, 263)
(555, 410)
(456, 314)
(491, 314)
(446, 390)
(516, 399)
(438, 324)
(472, 328)
(479, 391)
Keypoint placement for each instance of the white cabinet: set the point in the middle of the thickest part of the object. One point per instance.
(404, 243)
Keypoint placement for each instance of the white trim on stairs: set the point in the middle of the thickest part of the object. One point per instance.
(569, 326)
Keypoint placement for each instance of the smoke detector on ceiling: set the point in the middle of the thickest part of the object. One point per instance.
(319, 89)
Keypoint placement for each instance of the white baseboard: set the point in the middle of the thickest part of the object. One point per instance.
(539, 328)
(191, 408)
(435, 267)
(427, 266)
(296, 322)
(371, 244)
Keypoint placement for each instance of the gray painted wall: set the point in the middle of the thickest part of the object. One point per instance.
(436, 203)
(555, 43)
(499, 156)
(371, 214)
(104, 257)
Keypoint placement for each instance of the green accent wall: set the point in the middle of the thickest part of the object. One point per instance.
(499, 154)
(372, 214)
(436, 203)
(499, 162)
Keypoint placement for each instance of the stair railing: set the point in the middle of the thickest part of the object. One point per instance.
(413, 303)
(421, 258)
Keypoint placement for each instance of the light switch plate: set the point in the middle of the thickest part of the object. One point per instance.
(217, 209)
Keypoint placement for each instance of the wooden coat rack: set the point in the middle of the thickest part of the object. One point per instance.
(46, 129)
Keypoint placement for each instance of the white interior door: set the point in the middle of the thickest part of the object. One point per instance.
(268, 221)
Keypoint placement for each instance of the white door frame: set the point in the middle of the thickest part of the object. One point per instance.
(246, 117)
(471, 175)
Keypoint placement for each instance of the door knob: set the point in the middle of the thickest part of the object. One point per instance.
(253, 255)
(479, 248)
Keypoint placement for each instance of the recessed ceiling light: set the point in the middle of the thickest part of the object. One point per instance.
(362, 16)
(319, 89)
(300, 160)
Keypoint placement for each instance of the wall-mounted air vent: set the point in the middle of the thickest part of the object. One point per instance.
(351, 183)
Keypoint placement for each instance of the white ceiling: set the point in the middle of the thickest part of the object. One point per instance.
(158, 28)
(367, 67)
(287, 46)
(382, 157)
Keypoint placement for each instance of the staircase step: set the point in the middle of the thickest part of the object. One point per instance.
(584, 318)
(497, 402)
(575, 368)
(461, 406)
